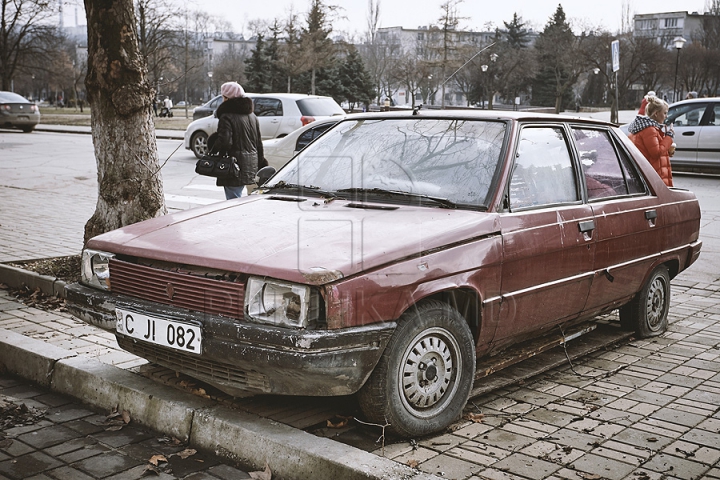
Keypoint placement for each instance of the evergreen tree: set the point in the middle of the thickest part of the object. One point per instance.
(258, 68)
(515, 33)
(276, 74)
(357, 87)
(318, 48)
(561, 63)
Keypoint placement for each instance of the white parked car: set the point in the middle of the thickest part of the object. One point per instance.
(278, 151)
(697, 134)
(279, 114)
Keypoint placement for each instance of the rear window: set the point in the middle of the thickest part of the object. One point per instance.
(10, 97)
(319, 107)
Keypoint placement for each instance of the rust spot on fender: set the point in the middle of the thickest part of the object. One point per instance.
(320, 276)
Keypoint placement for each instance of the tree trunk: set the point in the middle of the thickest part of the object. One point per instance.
(130, 185)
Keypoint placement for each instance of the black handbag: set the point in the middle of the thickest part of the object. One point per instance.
(218, 166)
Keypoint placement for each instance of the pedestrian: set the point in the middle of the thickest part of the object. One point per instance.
(644, 102)
(155, 102)
(691, 95)
(238, 135)
(653, 138)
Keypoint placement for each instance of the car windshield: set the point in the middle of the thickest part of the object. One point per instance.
(319, 107)
(449, 159)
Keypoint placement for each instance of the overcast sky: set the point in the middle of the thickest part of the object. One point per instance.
(413, 13)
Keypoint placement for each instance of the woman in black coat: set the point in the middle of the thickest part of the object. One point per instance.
(238, 135)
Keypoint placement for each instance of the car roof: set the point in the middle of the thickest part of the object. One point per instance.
(696, 100)
(503, 115)
(288, 96)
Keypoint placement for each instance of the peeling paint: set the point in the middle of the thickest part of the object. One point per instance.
(321, 275)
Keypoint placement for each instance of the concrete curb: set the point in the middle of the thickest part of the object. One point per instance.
(159, 134)
(15, 277)
(233, 434)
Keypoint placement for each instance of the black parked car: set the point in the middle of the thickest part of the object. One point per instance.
(207, 109)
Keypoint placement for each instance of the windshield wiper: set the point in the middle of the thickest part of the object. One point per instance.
(311, 189)
(443, 202)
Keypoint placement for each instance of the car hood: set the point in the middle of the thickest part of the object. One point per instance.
(297, 239)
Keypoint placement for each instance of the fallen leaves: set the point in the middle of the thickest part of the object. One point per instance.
(17, 415)
(188, 452)
(338, 421)
(117, 419)
(474, 417)
(263, 475)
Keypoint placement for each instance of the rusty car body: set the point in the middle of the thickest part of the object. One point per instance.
(392, 253)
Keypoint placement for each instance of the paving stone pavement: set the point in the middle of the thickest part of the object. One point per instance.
(61, 439)
(648, 409)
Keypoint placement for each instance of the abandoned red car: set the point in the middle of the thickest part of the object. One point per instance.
(392, 253)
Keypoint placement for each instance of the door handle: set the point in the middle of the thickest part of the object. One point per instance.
(587, 226)
(688, 134)
(650, 214)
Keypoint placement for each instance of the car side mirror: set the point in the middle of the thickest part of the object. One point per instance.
(263, 175)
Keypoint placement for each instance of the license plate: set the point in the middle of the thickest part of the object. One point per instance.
(160, 331)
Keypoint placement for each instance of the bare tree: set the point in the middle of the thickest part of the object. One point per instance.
(25, 36)
(130, 185)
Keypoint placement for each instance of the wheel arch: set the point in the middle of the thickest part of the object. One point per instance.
(465, 301)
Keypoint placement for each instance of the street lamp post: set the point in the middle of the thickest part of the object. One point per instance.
(484, 69)
(210, 74)
(679, 42)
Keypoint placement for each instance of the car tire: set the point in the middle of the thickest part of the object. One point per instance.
(647, 313)
(28, 129)
(423, 379)
(199, 144)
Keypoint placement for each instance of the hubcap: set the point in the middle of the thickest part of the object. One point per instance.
(429, 370)
(656, 303)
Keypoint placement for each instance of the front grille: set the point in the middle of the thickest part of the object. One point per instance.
(196, 366)
(181, 290)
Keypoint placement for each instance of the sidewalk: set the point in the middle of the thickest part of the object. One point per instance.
(645, 410)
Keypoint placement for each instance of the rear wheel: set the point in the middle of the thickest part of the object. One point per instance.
(647, 313)
(199, 144)
(423, 379)
(28, 129)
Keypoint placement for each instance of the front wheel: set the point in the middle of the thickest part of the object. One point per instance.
(647, 313)
(423, 379)
(199, 144)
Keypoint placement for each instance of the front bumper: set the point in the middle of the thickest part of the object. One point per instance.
(242, 358)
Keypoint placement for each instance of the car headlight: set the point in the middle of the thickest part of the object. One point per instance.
(96, 269)
(281, 303)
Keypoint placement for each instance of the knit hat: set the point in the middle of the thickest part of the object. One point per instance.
(232, 90)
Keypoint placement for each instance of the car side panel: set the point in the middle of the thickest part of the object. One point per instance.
(628, 234)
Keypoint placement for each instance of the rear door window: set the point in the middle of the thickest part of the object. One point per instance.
(319, 107)
(268, 107)
(606, 173)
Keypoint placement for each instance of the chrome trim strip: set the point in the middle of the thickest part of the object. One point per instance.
(549, 284)
(589, 274)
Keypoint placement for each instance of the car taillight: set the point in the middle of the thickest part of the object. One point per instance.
(306, 119)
